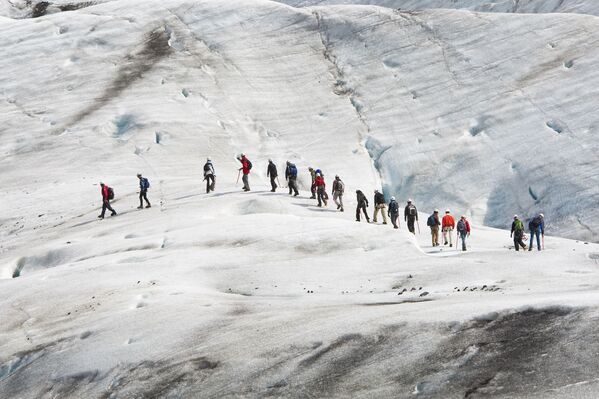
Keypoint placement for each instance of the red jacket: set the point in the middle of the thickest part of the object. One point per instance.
(104, 191)
(467, 226)
(245, 165)
(448, 221)
(319, 182)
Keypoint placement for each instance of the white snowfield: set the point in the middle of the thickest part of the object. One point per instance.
(259, 294)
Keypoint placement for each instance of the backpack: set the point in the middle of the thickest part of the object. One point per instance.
(412, 210)
(535, 223)
(431, 221)
(393, 207)
(110, 193)
(249, 164)
(207, 167)
(518, 226)
(461, 226)
(292, 170)
(145, 183)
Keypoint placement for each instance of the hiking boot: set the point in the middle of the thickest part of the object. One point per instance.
(272, 191)
(341, 210)
(113, 214)
(100, 216)
(445, 243)
(148, 206)
(384, 222)
(338, 206)
(312, 197)
(296, 194)
(140, 207)
(357, 220)
(450, 245)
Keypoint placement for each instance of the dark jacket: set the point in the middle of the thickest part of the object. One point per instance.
(406, 212)
(379, 199)
(290, 171)
(433, 220)
(338, 186)
(537, 223)
(362, 200)
(272, 170)
(393, 208)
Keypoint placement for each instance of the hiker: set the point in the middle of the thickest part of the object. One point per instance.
(246, 166)
(393, 212)
(312, 185)
(338, 190)
(321, 190)
(518, 233)
(107, 195)
(362, 205)
(291, 177)
(144, 184)
(447, 226)
(209, 175)
(463, 228)
(536, 227)
(411, 216)
(433, 222)
(271, 172)
(379, 205)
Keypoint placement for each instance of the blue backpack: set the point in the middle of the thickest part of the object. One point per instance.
(292, 170)
(145, 183)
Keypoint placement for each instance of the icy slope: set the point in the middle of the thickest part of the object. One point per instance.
(442, 99)
(260, 294)
(511, 6)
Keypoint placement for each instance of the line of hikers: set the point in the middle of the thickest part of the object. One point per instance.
(446, 224)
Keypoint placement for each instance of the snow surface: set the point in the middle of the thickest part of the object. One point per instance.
(504, 6)
(259, 294)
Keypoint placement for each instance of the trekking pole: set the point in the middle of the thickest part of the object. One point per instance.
(279, 181)
(418, 224)
(238, 173)
(543, 239)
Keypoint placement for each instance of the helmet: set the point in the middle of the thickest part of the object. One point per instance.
(310, 168)
(139, 175)
(269, 160)
(463, 217)
(207, 159)
(409, 200)
(447, 211)
(376, 191)
(541, 215)
(102, 184)
(336, 176)
(515, 216)
(392, 198)
(288, 163)
(436, 211)
(318, 171)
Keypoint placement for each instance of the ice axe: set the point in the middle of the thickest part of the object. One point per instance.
(238, 173)
(278, 181)
(418, 224)
(543, 240)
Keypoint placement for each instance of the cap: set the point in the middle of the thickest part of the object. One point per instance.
(436, 211)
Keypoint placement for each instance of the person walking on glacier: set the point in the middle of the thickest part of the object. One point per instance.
(380, 205)
(291, 177)
(433, 222)
(411, 216)
(209, 176)
(144, 185)
(393, 212)
(271, 172)
(338, 190)
(107, 196)
(537, 228)
(321, 190)
(463, 228)
(246, 166)
(447, 226)
(362, 205)
(518, 233)
(313, 184)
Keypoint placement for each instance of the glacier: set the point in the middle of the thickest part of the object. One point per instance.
(257, 294)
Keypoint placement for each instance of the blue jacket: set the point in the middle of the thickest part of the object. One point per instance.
(144, 184)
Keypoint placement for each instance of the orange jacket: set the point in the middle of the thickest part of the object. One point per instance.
(448, 221)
